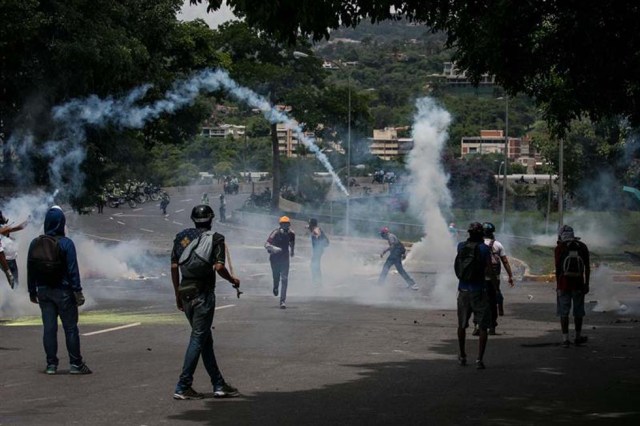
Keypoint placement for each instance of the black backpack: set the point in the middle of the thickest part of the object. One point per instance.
(572, 263)
(468, 264)
(46, 260)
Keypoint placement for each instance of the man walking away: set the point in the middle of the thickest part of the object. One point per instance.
(472, 263)
(572, 280)
(397, 253)
(496, 300)
(319, 242)
(280, 245)
(198, 253)
(54, 283)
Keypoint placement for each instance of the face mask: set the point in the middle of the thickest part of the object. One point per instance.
(284, 228)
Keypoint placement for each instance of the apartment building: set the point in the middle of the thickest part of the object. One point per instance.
(386, 144)
(288, 143)
(223, 130)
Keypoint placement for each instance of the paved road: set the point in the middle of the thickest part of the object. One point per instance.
(348, 353)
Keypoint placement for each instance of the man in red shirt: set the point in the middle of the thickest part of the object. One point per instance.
(572, 280)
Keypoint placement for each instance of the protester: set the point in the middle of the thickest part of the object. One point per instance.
(319, 243)
(397, 253)
(164, 202)
(472, 263)
(280, 245)
(572, 280)
(492, 280)
(205, 199)
(195, 296)
(54, 283)
(453, 231)
(223, 209)
(9, 250)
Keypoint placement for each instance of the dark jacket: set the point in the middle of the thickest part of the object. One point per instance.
(54, 223)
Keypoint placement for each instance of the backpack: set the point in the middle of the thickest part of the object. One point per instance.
(572, 263)
(46, 260)
(323, 239)
(196, 261)
(468, 264)
(495, 259)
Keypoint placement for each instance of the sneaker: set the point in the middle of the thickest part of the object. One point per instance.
(80, 369)
(51, 369)
(492, 331)
(479, 364)
(580, 340)
(462, 360)
(414, 287)
(225, 391)
(283, 306)
(566, 344)
(188, 393)
(275, 291)
(476, 330)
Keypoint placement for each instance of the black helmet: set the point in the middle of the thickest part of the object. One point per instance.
(489, 229)
(475, 228)
(202, 213)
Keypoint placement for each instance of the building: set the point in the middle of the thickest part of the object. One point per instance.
(386, 144)
(223, 130)
(454, 77)
(490, 142)
(288, 143)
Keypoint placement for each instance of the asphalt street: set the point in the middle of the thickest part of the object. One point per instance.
(346, 353)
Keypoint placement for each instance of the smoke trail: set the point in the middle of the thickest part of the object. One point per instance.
(430, 197)
(124, 113)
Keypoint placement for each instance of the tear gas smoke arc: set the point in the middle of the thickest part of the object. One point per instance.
(126, 113)
(430, 198)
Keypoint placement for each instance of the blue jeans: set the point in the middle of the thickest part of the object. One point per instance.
(59, 302)
(199, 311)
(397, 262)
(316, 271)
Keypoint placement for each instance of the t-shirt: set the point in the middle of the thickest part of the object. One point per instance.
(396, 248)
(571, 283)
(282, 240)
(485, 256)
(498, 250)
(9, 246)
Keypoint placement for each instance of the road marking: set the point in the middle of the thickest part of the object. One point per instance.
(257, 275)
(178, 211)
(146, 230)
(188, 199)
(139, 208)
(177, 223)
(118, 214)
(107, 330)
(121, 223)
(224, 307)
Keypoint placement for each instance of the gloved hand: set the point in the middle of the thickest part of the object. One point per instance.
(79, 298)
(33, 297)
(10, 278)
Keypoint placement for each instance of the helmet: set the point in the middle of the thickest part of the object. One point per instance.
(384, 231)
(284, 219)
(202, 213)
(313, 222)
(488, 229)
(475, 228)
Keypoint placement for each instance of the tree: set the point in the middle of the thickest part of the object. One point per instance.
(558, 52)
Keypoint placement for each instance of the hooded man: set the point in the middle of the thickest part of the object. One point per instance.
(54, 284)
(572, 282)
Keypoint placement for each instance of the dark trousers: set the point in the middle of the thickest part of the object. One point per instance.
(199, 312)
(59, 302)
(495, 300)
(280, 271)
(13, 267)
(397, 262)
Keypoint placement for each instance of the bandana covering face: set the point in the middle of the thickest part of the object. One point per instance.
(566, 233)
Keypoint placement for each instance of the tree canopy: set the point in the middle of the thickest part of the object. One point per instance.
(573, 57)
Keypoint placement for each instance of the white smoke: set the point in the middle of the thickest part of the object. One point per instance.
(125, 113)
(430, 198)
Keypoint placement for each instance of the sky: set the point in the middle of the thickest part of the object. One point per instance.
(189, 13)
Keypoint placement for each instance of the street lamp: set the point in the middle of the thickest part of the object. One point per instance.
(497, 181)
(506, 159)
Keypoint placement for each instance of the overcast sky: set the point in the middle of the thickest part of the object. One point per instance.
(189, 13)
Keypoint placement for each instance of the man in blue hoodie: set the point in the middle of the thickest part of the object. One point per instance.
(59, 297)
